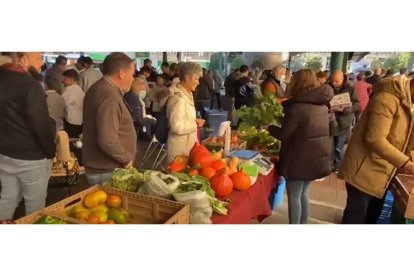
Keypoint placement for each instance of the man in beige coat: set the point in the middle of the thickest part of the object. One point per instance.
(380, 146)
(181, 112)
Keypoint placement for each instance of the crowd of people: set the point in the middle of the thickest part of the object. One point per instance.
(112, 105)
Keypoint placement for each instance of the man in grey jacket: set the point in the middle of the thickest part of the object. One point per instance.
(89, 75)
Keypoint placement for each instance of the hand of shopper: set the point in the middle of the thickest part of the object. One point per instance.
(129, 165)
(338, 108)
(409, 167)
(200, 122)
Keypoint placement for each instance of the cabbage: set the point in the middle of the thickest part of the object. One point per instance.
(126, 179)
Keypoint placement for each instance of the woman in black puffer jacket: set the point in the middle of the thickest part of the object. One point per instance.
(306, 145)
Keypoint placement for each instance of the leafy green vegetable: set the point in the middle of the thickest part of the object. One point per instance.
(268, 111)
(127, 179)
(197, 182)
(259, 140)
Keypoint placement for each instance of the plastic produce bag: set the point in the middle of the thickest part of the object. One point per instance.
(160, 185)
(200, 209)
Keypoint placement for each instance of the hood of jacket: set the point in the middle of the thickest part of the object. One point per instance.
(398, 86)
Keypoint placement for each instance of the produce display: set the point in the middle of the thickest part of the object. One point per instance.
(216, 143)
(210, 172)
(260, 140)
(128, 179)
(48, 219)
(100, 207)
(269, 111)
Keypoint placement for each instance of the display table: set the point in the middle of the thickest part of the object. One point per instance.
(250, 204)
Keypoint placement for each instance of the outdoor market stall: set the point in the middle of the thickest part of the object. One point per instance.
(250, 204)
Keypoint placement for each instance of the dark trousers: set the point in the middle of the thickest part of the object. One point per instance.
(361, 208)
(338, 143)
(73, 131)
(217, 95)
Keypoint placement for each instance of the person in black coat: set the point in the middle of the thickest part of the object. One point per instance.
(134, 101)
(306, 145)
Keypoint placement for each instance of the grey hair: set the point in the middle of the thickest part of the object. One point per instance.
(189, 69)
(278, 67)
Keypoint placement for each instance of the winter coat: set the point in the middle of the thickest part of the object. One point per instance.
(205, 89)
(244, 92)
(24, 118)
(383, 138)
(306, 145)
(344, 118)
(363, 89)
(273, 86)
(181, 114)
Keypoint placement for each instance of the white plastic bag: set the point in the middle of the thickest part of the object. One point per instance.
(200, 209)
(158, 185)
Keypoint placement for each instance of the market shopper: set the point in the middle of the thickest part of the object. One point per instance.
(344, 117)
(57, 70)
(89, 75)
(27, 139)
(73, 96)
(381, 145)
(306, 147)
(55, 102)
(135, 100)
(181, 112)
(109, 138)
(273, 84)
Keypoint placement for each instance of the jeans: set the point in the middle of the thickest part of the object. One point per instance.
(298, 205)
(361, 208)
(26, 179)
(97, 179)
(338, 143)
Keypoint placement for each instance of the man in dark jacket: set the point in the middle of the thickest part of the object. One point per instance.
(343, 115)
(243, 89)
(26, 138)
(374, 78)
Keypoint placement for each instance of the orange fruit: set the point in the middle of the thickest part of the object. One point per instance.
(90, 201)
(102, 215)
(94, 219)
(82, 214)
(114, 201)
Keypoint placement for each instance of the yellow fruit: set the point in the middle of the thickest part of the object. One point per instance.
(101, 196)
(82, 214)
(100, 207)
(102, 215)
(90, 201)
(114, 201)
(75, 209)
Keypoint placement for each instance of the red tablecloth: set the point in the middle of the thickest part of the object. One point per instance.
(252, 203)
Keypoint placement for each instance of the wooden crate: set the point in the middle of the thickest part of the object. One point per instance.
(401, 186)
(142, 209)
